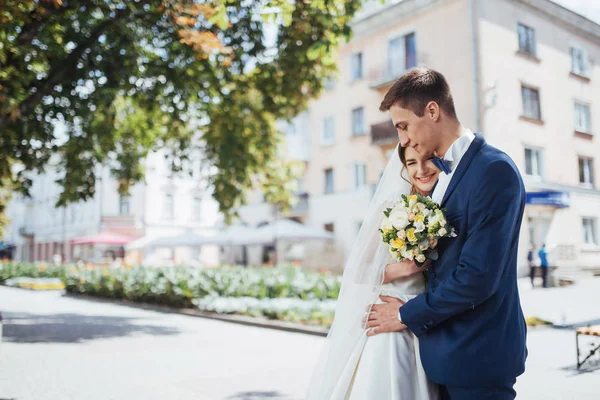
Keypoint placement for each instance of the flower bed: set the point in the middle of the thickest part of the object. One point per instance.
(286, 293)
(313, 312)
(10, 270)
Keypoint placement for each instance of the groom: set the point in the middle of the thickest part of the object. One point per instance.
(469, 321)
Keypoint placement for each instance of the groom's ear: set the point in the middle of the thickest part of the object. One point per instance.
(432, 111)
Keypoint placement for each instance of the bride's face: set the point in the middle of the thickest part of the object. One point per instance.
(421, 171)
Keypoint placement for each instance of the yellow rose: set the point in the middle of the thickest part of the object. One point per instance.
(419, 218)
(410, 235)
(397, 243)
(412, 198)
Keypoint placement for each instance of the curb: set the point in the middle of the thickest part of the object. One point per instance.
(231, 318)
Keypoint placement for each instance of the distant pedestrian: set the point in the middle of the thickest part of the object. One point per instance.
(543, 255)
(531, 263)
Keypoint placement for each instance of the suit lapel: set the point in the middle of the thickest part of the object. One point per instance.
(463, 164)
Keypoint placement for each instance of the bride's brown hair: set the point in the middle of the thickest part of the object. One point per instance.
(402, 155)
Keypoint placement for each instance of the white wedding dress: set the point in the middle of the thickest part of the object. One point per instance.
(389, 365)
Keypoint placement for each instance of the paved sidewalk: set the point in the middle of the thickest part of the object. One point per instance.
(60, 348)
(575, 305)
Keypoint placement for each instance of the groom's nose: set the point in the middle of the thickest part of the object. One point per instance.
(403, 138)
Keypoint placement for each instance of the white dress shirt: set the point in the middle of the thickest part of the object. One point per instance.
(453, 155)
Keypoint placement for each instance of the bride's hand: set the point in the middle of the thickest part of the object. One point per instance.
(402, 269)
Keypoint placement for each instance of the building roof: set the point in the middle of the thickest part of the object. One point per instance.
(391, 13)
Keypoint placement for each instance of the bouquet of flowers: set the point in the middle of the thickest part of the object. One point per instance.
(412, 227)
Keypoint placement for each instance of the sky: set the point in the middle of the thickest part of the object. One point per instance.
(588, 8)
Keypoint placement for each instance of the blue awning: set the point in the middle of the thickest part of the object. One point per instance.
(4, 246)
(555, 199)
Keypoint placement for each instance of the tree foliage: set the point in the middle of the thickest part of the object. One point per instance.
(127, 77)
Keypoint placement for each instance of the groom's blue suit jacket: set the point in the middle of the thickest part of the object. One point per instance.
(469, 322)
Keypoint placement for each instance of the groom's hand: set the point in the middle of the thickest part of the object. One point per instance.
(402, 269)
(384, 317)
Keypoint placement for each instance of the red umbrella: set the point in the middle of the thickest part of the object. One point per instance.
(103, 238)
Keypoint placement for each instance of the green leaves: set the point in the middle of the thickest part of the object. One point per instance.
(125, 81)
(220, 18)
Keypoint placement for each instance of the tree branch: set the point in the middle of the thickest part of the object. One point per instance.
(60, 70)
(31, 28)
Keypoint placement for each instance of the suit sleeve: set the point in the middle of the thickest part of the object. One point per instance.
(495, 213)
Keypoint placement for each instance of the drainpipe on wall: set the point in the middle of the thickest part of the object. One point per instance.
(475, 58)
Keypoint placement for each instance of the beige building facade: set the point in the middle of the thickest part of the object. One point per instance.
(523, 72)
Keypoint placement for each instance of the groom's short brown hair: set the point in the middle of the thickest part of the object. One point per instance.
(418, 87)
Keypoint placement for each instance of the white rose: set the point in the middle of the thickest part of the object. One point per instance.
(386, 225)
(442, 232)
(419, 226)
(399, 219)
(407, 254)
(401, 234)
(420, 258)
(416, 251)
(434, 218)
(411, 217)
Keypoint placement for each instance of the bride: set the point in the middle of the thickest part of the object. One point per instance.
(354, 366)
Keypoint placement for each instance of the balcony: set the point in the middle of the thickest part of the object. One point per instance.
(123, 224)
(382, 79)
(384, 134)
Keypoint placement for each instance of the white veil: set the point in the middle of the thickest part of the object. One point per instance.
(361, 284)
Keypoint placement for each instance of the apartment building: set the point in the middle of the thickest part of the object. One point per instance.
(161, 205)
(524, 73)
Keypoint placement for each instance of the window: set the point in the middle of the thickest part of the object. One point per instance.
(329, 181)
(124, 205)
(586, 171)
(329, 83)
(533, 162)
(411, 51)
(358, 121)
(329, 227)
(168, 206)
(328, 134)
(579, 61)
(526, 39)
(360, 175)
(356, 67)
(196, 208)
(402, 54)
(589, 231)
(582, 118)
(291, 129)
(531, 103)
